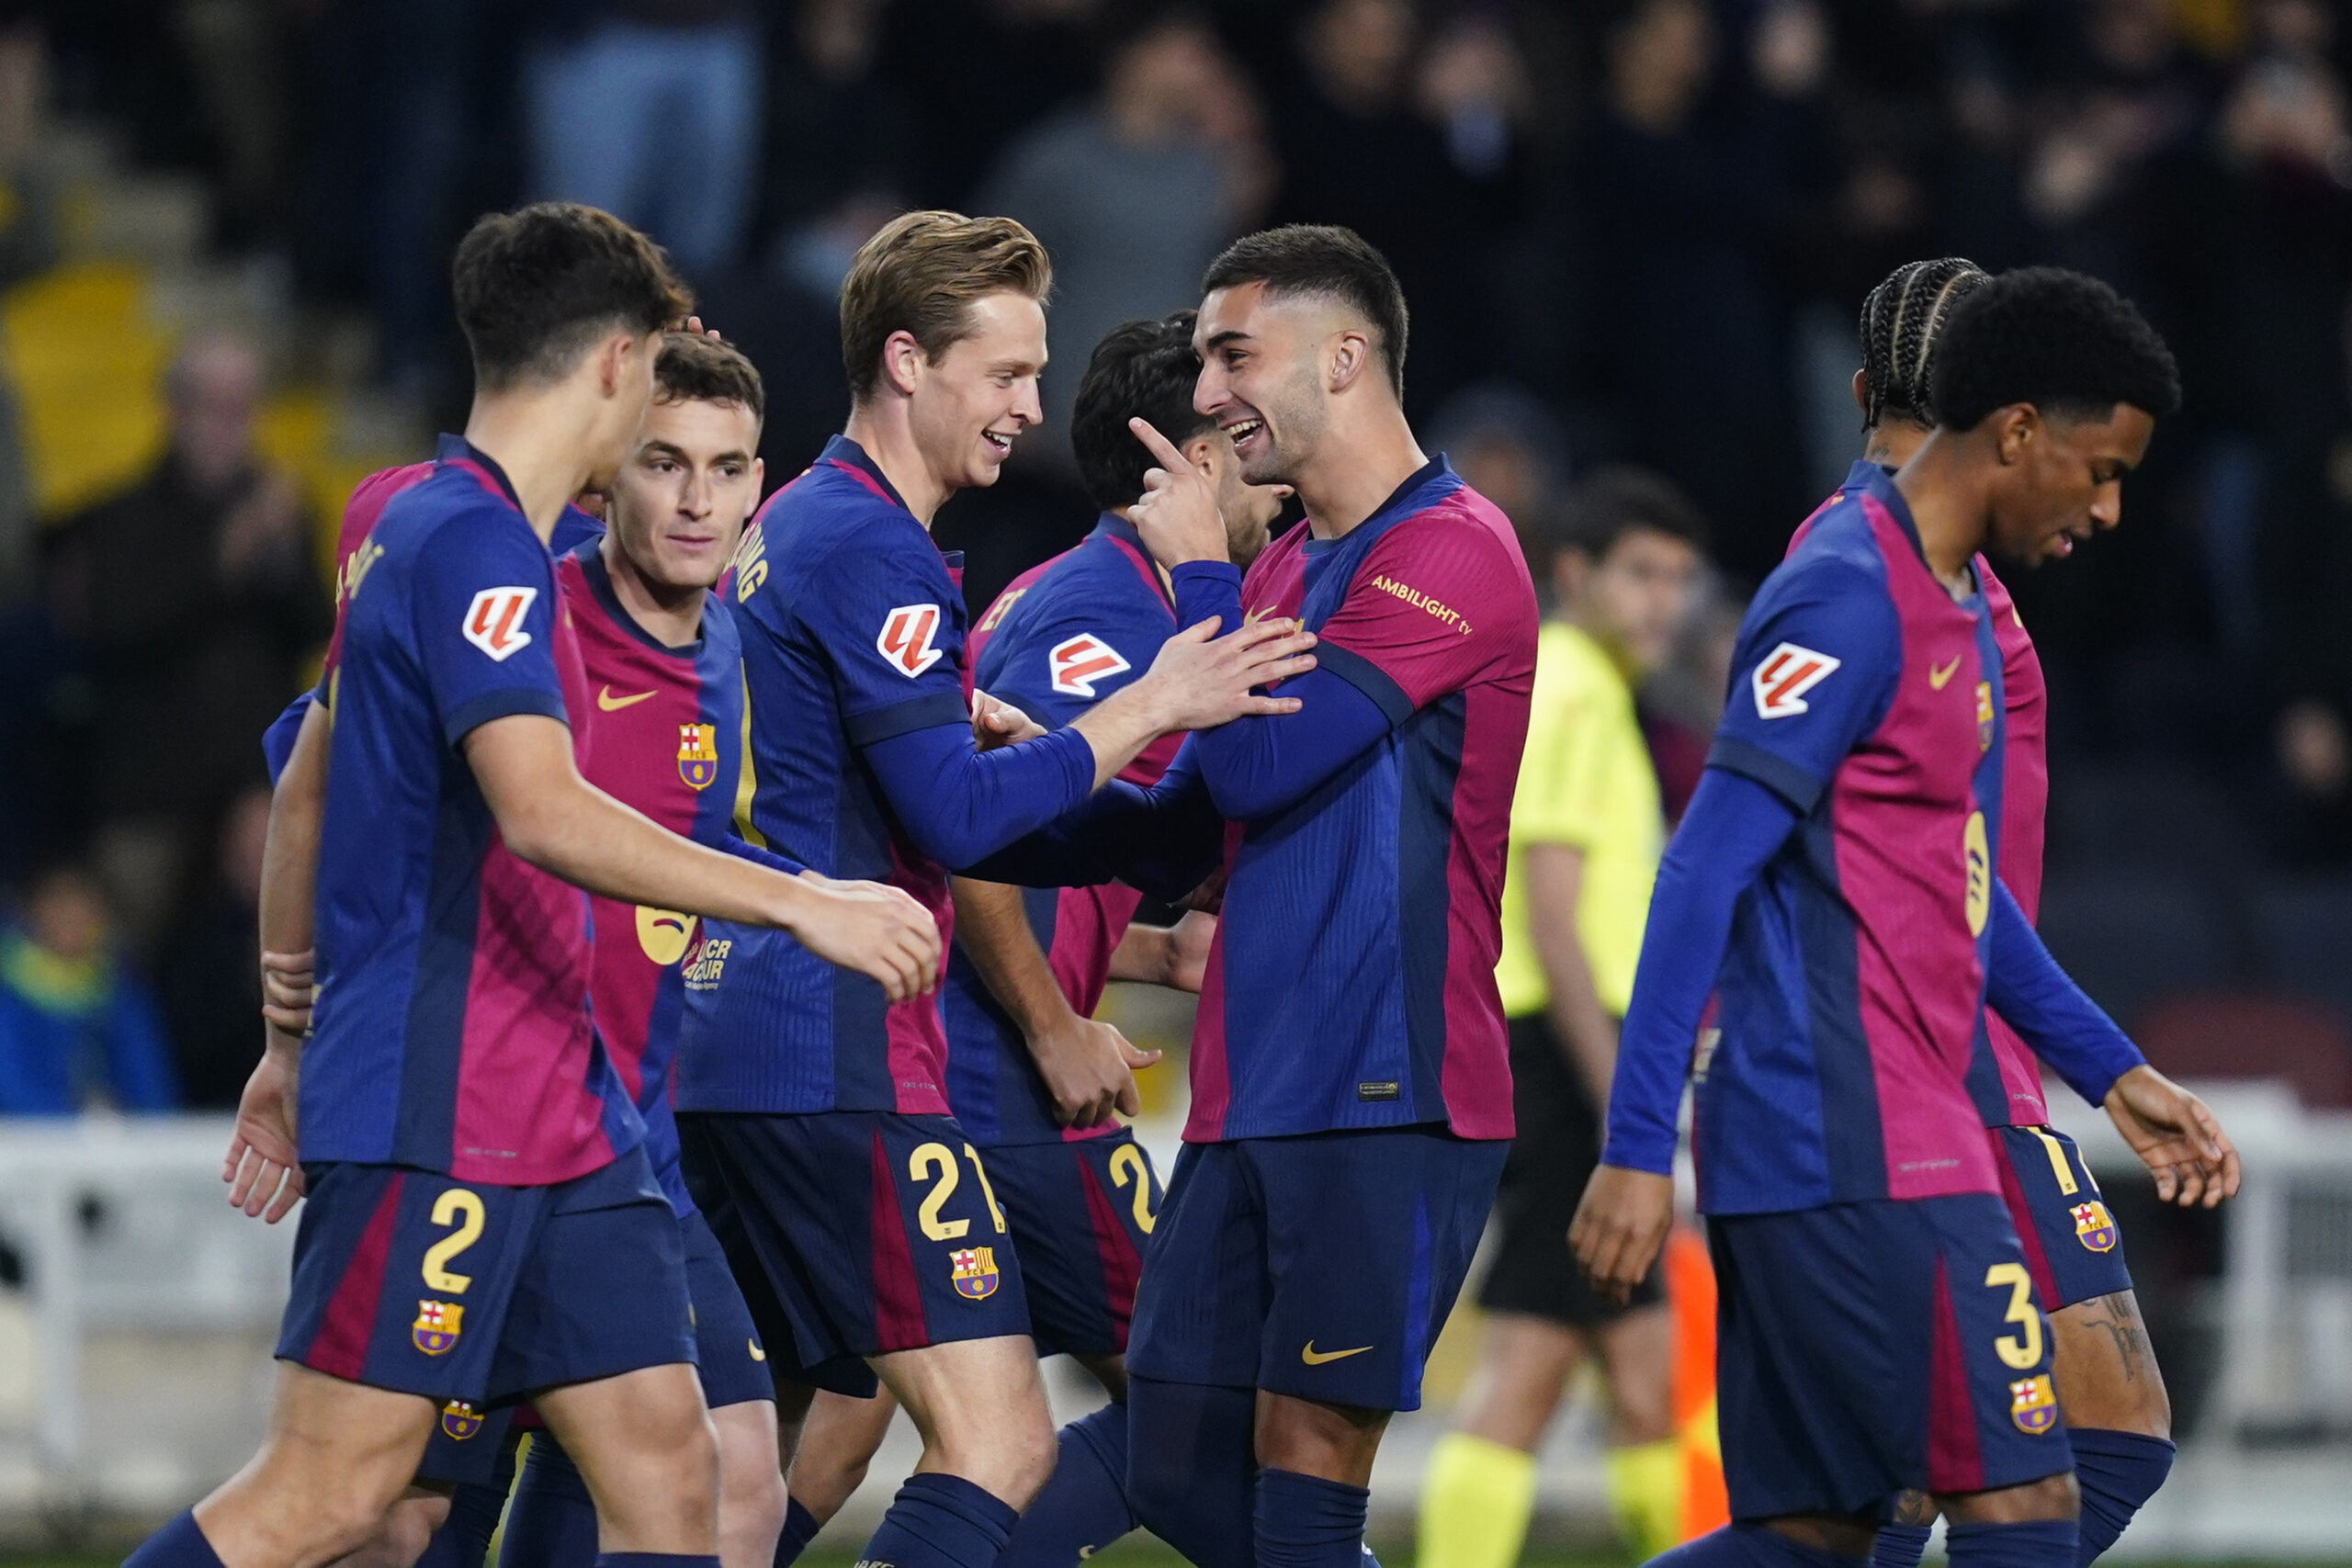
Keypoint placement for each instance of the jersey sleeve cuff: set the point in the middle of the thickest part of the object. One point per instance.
(1368, 678)
(1777, 774)
(1630, 1150)
(478, 711)
(928, 712)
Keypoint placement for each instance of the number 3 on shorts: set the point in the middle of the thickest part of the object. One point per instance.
(463, 1210)
(2023, 1351)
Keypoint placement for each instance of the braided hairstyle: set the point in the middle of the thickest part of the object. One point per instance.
(1901, 317)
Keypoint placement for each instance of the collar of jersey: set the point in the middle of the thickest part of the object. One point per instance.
(1402, 503)
(590, 553)
(1113, 527)
(1870, 478)
(842, 449)
(457, 448)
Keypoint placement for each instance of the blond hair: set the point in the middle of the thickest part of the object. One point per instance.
(920, 273)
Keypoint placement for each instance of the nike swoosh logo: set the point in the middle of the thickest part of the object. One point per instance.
(611, 704)
(1937, 678)
(757, 1354)
(1315, 1358)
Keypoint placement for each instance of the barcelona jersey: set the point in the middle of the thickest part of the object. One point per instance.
(1063, 637)
(451, 1030)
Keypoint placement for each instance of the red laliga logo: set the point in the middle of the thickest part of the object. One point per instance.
(906, 638)
(494, 620)
(1787, 673)
(1082, 660)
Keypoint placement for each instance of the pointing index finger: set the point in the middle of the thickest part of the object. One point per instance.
(1158, 446)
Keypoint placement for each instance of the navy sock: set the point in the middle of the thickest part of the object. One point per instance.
(801, 1528)
(1899, 1546)
(1304, 1521)
(2118, 1472)
(1192, 1467)
(941, 1521)
(1084, 1507)
(463, 1540)
(179, 1544)
(1747, 1546)
(553, 1521)
(654, 1559)
(2036, 1543)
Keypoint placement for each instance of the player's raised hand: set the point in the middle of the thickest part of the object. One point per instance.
(262, 1167)
(2177, 1136)
(1090, 1069)
(287, 985)
(1620, 1227)
(878, 930)
(1178, 515)
(997, 723)
(1208, 679)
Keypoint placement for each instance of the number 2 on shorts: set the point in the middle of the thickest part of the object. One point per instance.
(463, 1210)
(1127, 1169)
(2021, 1351)
(938, 1159)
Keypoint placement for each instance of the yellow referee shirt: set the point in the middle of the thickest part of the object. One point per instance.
(1586, 783)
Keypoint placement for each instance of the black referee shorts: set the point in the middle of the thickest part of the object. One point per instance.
(1553, 1157)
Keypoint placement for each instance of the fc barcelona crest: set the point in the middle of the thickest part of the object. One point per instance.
(2094, 1226)
(698, 754)
(974, 1272)
(436, 1326)
(2033, 1405)
(1983, 716)
(461, 1420)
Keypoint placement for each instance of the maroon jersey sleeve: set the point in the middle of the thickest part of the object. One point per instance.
(1442, 602)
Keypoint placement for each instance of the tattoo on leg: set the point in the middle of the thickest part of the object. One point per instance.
(1915, 1508)
(2119, 1315)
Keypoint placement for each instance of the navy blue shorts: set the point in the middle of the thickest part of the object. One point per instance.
(2072, 1243)
(855, 1234)
(1321, 1266)
(727, 1356)
(1868, 1348)
(1083, 1211)
(410, 1281)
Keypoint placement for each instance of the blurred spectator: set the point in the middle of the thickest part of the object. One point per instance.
(1510, 449)
(836, 124)
(28, 246)
(973, 73)
(2313, 749)
(205, 974)
(77, 1030)
(194, 599)
(1135, 192)
(650, 109)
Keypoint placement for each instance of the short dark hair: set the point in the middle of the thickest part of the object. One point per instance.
(535, 287)
(1322, 258)
(1903, 319)
(920, 273)
(1140, 368)
(1611, 502)
(2063, 342)
(697, 367)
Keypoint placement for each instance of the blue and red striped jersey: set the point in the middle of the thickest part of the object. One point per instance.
(1851, 991)
(1060, 638)
(1351, 983)
(451, 1030)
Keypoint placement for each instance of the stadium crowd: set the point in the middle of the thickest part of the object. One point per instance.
(1630, 232)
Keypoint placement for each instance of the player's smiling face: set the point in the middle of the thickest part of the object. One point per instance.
(1261, 377)
(968, 408)
(2065, 481)
(680, 501)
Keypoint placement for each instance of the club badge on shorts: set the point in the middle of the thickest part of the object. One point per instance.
(2033, 1405)
(974, 1272)
(2094, 1226)
(461, 1420)
(436, 1326)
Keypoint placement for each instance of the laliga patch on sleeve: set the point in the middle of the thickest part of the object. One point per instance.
(494, 620)
(1081, 661)
(1783, 678)
(906, 636)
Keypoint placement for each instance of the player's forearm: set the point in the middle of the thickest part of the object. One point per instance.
(1146, 954)
(2049, 1013)
(1555, 882)
(1733, 827)
(961, 804)
(992, 927)
(290, 856)
(1120, 727)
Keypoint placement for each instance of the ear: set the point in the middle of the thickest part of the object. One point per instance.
(758, 476)
(1861, 391)
(2015, 430)
(902, 362)
(1351, 354)
(1201, 452)
(610, 362)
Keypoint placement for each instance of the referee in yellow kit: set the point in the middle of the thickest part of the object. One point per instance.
(1626, 554)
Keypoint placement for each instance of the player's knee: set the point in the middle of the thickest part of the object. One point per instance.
(2052, 1497)
(355, 1529)
(1013, 1464)
(752, 1499)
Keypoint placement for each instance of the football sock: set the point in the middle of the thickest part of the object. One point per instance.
(1899, 1546)
(1304, 1521)
(941, 1521)
(1476, 1497)
(1645, 1495)
(553, 1521)
(2036, 1543)
(801, 1528)
(2118, 1472)
(1192, 1467)
(1084, 1507)
(653, 1559)
(179, 1544)
(1748, 1546)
